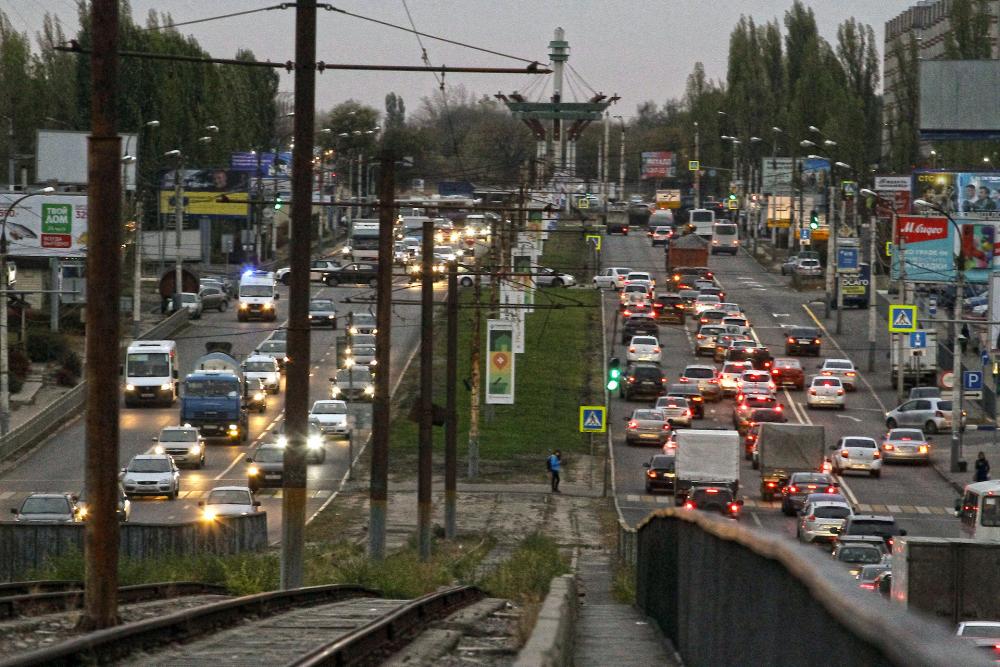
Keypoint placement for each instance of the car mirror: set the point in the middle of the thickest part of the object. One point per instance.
(256, 503)
(276, 296)
(249, 459)
(332, 379)
(13, 510)
(201, 503)
(155, 438)
(958, 505)
(123, 471)
(902, 532)
(645, 465)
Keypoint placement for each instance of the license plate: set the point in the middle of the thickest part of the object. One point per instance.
(274, 476)
(647, 435)
(146, 395)
(647, 383)
(804, 340)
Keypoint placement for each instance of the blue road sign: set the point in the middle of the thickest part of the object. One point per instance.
(932, 306)
(972, 380)
(918, 340)
(902, 319)
(984, 357)
(847, 259)
(805, 234)
(593, 419)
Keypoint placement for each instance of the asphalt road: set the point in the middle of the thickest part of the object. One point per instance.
(57, 464)
(917, 496)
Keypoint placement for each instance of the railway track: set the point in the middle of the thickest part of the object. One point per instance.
(44, 597)
(320, 625)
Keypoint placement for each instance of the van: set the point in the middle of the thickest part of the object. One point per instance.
(702, 220)
(725, 238)
(151, 372)
(257, 296)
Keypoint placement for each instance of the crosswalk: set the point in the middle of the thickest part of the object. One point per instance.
(201, 494)
(752, 503)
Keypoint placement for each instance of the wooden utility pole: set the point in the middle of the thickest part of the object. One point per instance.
(475, 377)
(426, 441)
(451, 426)
(103, 331)
(293, 502)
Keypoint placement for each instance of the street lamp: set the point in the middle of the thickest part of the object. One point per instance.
(871, 274)
(137, 246)
(956, 351)
(4, 328)
(178, 223)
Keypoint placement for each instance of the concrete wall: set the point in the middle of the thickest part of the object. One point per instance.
(551, 640)
(24, 547)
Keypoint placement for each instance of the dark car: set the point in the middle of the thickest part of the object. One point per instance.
(355, 273)
(803, 340)
(617, 225)
(882, 526)
(788, 373)
(639, 324)
(322, 312)
(693, 395)
(714, 499)
(800, 485)
(670, 308)
(692, 273)
(267, 467)
(660, 473)
(747, 403)
(760, 358)
(213, 298)
(642, 379)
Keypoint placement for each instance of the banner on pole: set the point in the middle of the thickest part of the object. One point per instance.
(500, 362)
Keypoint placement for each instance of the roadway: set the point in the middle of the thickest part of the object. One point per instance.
(919, 498)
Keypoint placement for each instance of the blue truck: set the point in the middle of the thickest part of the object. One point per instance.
(856, 288)
(215, 398)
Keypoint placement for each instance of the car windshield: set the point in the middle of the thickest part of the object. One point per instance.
(826, 382)
(709, 298)
(272, 347)
(260, 366)
(188, 297)
(670, 402)
(991, 631)
(662, 462)
(443, 250)
(809, 479)
(362, 320)
(787, 363)
(864, 443)
(700, 373)
(725, 230)
(804, 333)
(648, 415)
(227, 387)
(645, 340)
(332, 408)
(756, 377)
(321, 304)
(363, 350)
(767, 416)
(355, 375)
(906, 434)
(149, 465)
(45, 506)
(847, 365)
(146, 365)
(756, 401)
(711, 331)
(269, 455)
(228, 497)
(743, 344)
(256, 290)
(860, 554)
(831, 512)
(878, 528)
(178, 435)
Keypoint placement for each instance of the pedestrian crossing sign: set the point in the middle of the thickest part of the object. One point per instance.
(902, 319)
(593, 419)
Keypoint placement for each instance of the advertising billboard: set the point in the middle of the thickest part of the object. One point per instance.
(203, 190)
(777, 175)
(895, 189)
(932, 244)
(958, 99)
(500, 361)
(658, 164)
(61, 155)
(974, 195)
(46, 225)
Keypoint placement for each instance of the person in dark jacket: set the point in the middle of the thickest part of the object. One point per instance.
(982, 471)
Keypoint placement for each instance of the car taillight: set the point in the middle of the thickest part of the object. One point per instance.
(701, 336)
(712, 491)
(713, 381)
(734, 508)
(887, 446)
(663, 380)
(771, 485)
(630, 380)
(825, 373)
(889, 541)
(938, 413)
(687, 412)
(689, 505)
(683, 380)
(811, 517)
(867, 586)
(816, 341)
(840, 392)
(775, 371)
(627, 313)
(831, 489)
(715, 241)
(844, 454)
(851, 374)
(650, 473)
(666, 427)
(792, 489)
(876, 454)
(631, 349)
(827, 466)
(791, 340)
(633, 424)
(924, 449)
(656, 350)
(812, 392)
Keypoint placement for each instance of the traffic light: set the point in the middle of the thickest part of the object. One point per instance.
(614, 373)
(813, 220)
(732, 196)
(278, 203)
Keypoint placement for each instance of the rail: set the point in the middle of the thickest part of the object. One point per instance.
(71, 596)
(377, 640)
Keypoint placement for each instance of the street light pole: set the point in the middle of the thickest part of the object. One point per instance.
(872, 295)
(178, 221)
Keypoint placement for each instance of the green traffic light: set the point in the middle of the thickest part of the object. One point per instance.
(615, 373)
(612, 384)
(277, 204)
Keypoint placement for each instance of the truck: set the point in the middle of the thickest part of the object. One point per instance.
(783, 449)
(215, 399)
(855, 287)
(706, 457)
(702, 220)
(920, 367)
(686, 250)
(616, 220)
(151, 372)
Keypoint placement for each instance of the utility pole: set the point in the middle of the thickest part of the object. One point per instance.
(475, 377)
(621, 165)
(872, 294)
(956, 355)
(697, 173)
(293, 500)
(426, 440)
(838, 284)
(899, 336)
(379, 485)
(604, 158)
(451, 429)
(178, 224)
(103, 335)
(831, 249)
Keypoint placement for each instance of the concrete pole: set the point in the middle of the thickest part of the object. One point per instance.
(604, 155)
(838, 287)
(4, 337)
(426, 430)
(899, 337)
(697, 173)
(558, 54)
(451, 426)
(11, 160)
(178, 224)
(475, 374)
(872, 294)
(621, 166)
(956, 332)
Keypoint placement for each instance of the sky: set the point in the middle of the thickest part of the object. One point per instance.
(639, 49)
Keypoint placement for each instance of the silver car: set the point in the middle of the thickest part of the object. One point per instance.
(266, 369)
(808, 267)
(151, 475)
(184, 444)
(331, 418)
(322, 312)
(676, 410)
(191, 302)
(822, 520)
(47, 508)
(930, 414)
(545, 277)
(843, 369)
(647, 426)
(906, 444)
(856, 453)
(362, 355)
(226, 501)
(704, 341)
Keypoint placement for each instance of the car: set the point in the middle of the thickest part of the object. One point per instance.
(735, 349)
(704, 340)
(705, 302)
(760, 358)
(647, 426)
(123, 509)
(642, 379)
(639, 324)
(800, 485)
(641, 277)
(691, 394)
(982, 634)
(265, 368)
(638, 289)
(670, 308)
(856, 453)
(360, 322)
(808, 267)
(444, 253)
(275, 349)
(731, 308)
(933, 415)
(225, 283)
(315, 448)
(331, 418)
(256, 395)
(647, 284)
(736, 321)
(924, 392)
(747, 403)
(825, 392)
(266, 467)
(712, 290)
(883, 583)
(660, 235)
(213, 298)
(787, 372)
(706, 378)
(616, 226)
(688, 296)
(637, 305)
(729, 333)
(775, 415)
(545, 277)
(906, 444)
(789, 265)
(353, 273)
(358, 339)
(692, 273)
(729, 376)
(866, 525)
(316, 270)
(840, 368)
(755, 382)
(868, 577)
(225, 501)
(361, 355)
(712, 316)
(822, 520)
(47, 508)
(191, 302)
(857, 554)
(354, 383)
(184, 444)
(803, 340)
(611, 278)
(151, 475)
(643, 348)
(660, 473)
(676, 409)
(322, 312)
(714, 499)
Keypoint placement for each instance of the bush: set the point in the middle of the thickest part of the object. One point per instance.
(19, 364)
(44, 346)
(15, 383)
(71, 363)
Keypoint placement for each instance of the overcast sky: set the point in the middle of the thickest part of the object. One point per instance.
(639, 49)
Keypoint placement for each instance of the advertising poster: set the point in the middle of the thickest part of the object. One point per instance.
(500, 362)
(46, 225)
(203, 190)
(929, 250)
(979, 195)
(778, 177)
(522, 265)
(658, 164)
(895, 189)
(938, 187)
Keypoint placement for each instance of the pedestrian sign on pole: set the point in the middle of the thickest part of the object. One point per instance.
(694, 165)
(583, 202)
(594, 240)
(902, 319)
(805, 234)
(733, 204)
(918, 340)
(888, 248)
(593, 419)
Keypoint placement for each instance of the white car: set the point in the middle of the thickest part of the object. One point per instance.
(611, 278)
(266, 369)
(445, 253)
(756, 382)
(648, 284)
(841, 368)
(982, 634)
(856, 453)
(729, 376)
(825, 391)
(733, 309)
(545, 277)
(151, 475)
(331, 418)
(643, 348)
(822, 520)
(273, 349)
(706, 302)
(223, 501)
(639, 275)
(184, 444)
(676, 409)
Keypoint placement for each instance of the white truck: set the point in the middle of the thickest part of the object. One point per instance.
(257, 296)
(920, 367)
(151, 372)
(703, 221)
(706, 457)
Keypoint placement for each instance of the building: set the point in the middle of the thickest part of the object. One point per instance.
(929, 22)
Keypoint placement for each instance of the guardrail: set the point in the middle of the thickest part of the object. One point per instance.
(727, 595)
(72, 402)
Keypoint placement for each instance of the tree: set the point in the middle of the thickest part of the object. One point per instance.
(395, 111)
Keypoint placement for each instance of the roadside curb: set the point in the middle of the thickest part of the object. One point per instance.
(551, 640)
(958, 488)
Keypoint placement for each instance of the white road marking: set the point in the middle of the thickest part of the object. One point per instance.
(848, 417)
(756, 519)
(777, 315)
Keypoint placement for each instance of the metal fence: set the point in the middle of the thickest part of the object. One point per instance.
(25, 547)
(727, 595)
(69, 404)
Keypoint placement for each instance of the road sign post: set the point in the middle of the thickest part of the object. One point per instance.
(972, 384)
(902, 319)
(593, 419)
(918, 340)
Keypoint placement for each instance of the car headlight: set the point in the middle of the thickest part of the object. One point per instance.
(373, 362)
(334, 390)
(281, 441)
(243, 306)
(158, 449)
(354, 331)
(208, 514)
(268, 306)
(130, 387)
(287, 359)
(253, 471)
(81, 511)
(348, 362)
(259, 396)
(195, 449)
(166, 386)
(370, 390)
(346, 250)
(314, 442)
(331, 317)
(347, 350)
(129, 480)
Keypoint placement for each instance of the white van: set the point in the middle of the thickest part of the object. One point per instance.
(151, 372)
(702, 219)
(725, 238)
(257, 296)
(979, 511)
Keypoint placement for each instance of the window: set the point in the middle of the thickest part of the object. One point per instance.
(45, 506)
(144, 365)
(921, 405)
(337, 408)
(725, 230)
(149, 465)
(831, 512)
(260, 367)
(991, 512)
(228, 497)
(179, 435)
(269, 455)
(256, 291)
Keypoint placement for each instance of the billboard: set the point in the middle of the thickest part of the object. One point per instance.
(668, 199)
(46, 225)
(500, 361)
(895, 189)
(776, 175)
(968, 194)
(263, 164)
(958, 99)
(932, 244)
(658, 164)
(203, 191)
(61, 155)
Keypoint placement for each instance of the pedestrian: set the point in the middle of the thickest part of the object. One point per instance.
(964, 338)
(982, 473)
(554, 465)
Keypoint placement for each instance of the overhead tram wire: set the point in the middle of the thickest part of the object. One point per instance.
(284, 5)
(579, 76)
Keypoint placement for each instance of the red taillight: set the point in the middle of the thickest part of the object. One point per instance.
(666, 427)
(844, 454)
(778, 408)
(771, 485)
(826, 373)
(811, 517)
(713, 381)
(924, 449)
(887, 446)
(791, 340)
(792, 489)
(689, 505)
(816, 341)
(687, 412)
(831, 489)
(868, 586)
(734, 508)
(851, 374)
(715, 241)
(650, 473)
(627, 313)
(827, 466)
(701, 336)
(663, 380)
(840, 392)
(656, 350)
(631, 349)
(633, 424)
(630, 380)
(938, 413)
(683, 380)
(876, 454)
(711, 490)
(812, 392)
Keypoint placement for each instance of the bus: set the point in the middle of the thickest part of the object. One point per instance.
(363, 244)
(979, 511)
